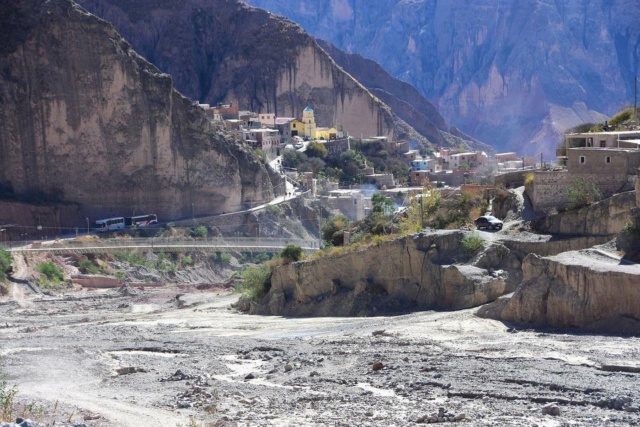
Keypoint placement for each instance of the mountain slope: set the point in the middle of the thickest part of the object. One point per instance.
(219, 50)
(512, 74)
(404, 99)
(85, 119)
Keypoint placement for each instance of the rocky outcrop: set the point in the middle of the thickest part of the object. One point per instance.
(513, 74)
(85, 119)
(412, 273)
(584, 289)
(219, 50)
(605, 218)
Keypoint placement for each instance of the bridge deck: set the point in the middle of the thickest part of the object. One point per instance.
(273, 245)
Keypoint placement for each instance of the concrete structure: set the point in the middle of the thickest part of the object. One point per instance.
(382, 180)
(268, 140)
(611, 170)
(351, 203)
(309, 122)
(338, 146)
(283, 124)
(326, 133)
(473, 159)
(267, 119)
(505, 157)
(296, 128)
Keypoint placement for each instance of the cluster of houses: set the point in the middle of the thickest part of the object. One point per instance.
(609, 160)
(453, 167)
(267, 132)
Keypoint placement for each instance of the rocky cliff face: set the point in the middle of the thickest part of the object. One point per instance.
(84, 119)
(226, 51)
(404, 99)
(512, 74)
(582, 289)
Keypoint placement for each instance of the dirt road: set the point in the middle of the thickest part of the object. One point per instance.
(154, 359)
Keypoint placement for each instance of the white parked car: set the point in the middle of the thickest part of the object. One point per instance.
(299, 144)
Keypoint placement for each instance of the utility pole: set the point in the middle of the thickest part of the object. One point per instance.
(635, 98)
(422, 210)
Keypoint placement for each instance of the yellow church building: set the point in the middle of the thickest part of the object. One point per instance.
(307, 127)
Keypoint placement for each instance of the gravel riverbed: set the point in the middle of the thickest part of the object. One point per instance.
(165, 354)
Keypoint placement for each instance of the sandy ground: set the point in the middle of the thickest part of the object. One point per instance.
(158, 357)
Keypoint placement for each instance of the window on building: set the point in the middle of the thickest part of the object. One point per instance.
(582, 159)
(603, 144)
(608, 159)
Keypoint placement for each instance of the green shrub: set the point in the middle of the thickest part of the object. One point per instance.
(186, 261)
(256, 281)
(5, 263)
(52, 272)
(472, 242)
(272, 211)
(7, 400)
(225, 257)
(291, 253)
(133, 258)
(582, 193)
(261, 257)
(88, 267)
(200, 231)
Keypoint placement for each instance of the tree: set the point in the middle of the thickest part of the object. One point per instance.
(293, 158)
(291, 253)
(382, 204)
(316, 149)
(5, 263)
(332, 227)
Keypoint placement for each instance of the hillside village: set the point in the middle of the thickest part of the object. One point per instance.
(354, 260)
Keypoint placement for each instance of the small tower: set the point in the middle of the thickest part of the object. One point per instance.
(309, 122)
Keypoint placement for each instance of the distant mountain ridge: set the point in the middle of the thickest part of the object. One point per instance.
(220, 50)
(512, 74)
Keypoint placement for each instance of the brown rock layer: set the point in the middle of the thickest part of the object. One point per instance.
(85, 119)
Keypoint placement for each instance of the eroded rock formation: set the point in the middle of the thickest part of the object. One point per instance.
(85, 119)
(218, 50)
(413, 273)
(581, 289)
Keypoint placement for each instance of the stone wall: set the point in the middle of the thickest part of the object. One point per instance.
(605, 218)
(549, 188)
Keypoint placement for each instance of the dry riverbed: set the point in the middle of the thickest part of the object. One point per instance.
(163, 355)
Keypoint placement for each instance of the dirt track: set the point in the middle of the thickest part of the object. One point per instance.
(113, 361)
